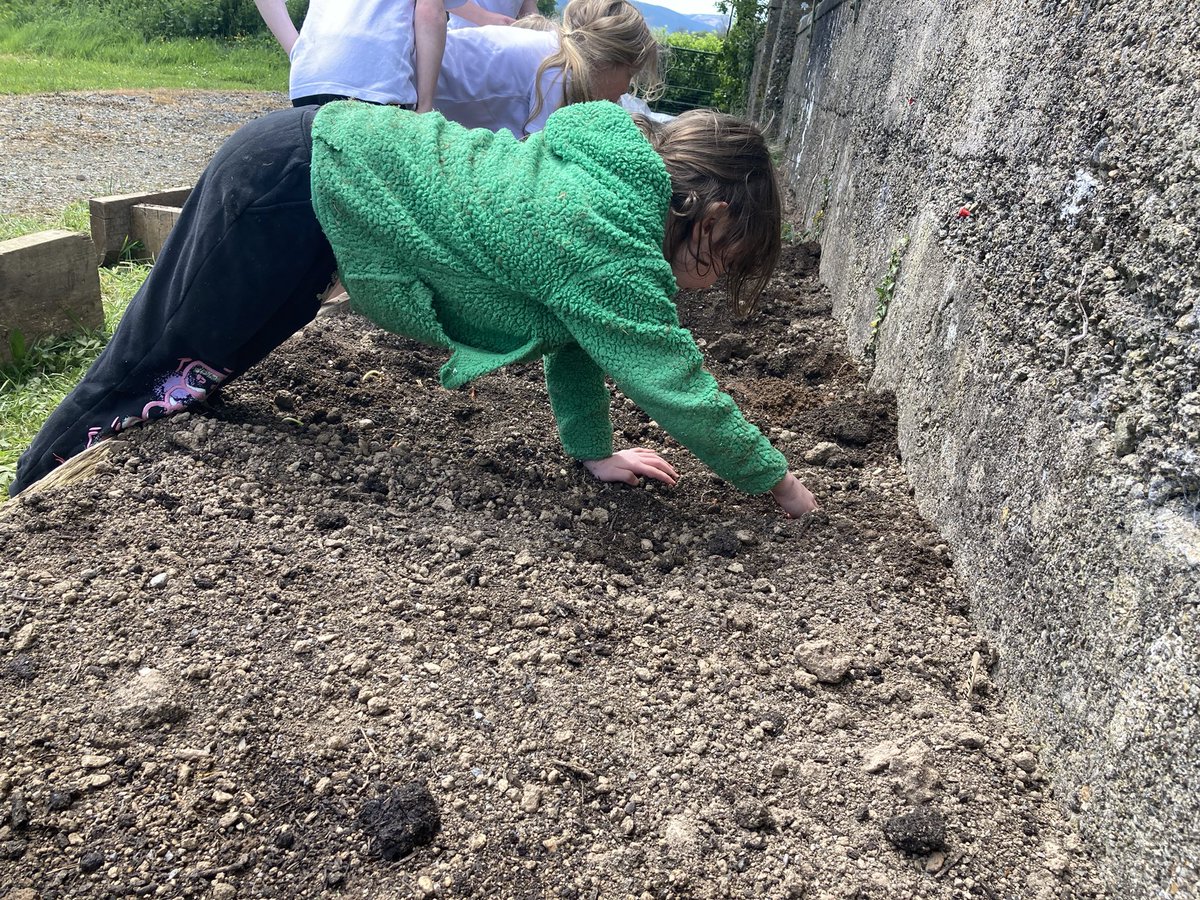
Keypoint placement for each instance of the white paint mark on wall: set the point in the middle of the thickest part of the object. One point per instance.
(1079, 192)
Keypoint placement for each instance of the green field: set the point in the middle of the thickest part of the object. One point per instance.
(62, 46)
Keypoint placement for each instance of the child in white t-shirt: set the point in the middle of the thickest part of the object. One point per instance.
(381, 51)
(491, 12)
(498, 77)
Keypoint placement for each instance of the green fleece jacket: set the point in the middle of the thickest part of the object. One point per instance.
(505, 251)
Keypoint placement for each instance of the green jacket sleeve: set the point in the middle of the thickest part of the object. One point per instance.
(580, 400)
(622, 318)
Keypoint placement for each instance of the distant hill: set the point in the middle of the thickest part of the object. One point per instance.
(661, 17)
(714, 21)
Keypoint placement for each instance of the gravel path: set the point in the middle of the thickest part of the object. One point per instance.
(58, 148)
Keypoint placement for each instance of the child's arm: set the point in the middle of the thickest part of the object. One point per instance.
(429, 45)
(275, 14)
(528, 8)
(626, 326)
(473, 12)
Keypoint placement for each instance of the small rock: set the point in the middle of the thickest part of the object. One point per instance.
(823, 453)
(19, 815)
(818, 658)
(426, 886)
(779, 769)
(91, 861)
(878, 759)
(97, 781)
(972, 740)
(1025, 761)
(90, 761)
(916, 780)
(24, 639)
(159, 580)
(531, 798)
(220, 797)
(919, 832)
(378, 706)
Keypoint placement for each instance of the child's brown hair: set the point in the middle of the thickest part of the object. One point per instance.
(714, 158)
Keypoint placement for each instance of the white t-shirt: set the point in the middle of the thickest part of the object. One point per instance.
(508, 8)
(488, 74)
(356, 48)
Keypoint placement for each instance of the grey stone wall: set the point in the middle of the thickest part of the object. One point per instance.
(1031, 174)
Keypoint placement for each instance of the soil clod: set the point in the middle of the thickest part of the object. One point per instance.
(402, 820)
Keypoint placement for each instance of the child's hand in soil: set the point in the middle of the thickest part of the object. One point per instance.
(627, 465)
(793, 496)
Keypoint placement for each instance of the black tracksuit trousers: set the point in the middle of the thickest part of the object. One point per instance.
(241, 271)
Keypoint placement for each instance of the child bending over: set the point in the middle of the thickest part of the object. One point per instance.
(567, 246)
(514, 77)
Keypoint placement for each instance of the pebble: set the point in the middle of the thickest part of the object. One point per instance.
(531, 798)
(90, 761)
(1025, 761)
(751, 814)
(972, 740)
(822, 453)
(878, 759)
(24, 639)
(378, 706)
(818, 659)
(159, 580)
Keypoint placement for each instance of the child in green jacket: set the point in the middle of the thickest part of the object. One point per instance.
(567, 246)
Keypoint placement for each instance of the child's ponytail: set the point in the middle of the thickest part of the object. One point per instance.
(595, 35)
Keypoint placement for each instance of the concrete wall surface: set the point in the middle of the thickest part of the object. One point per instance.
(1008, 203)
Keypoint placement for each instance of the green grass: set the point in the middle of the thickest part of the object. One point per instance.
(43, 373)
(63, 50)
(74, 218)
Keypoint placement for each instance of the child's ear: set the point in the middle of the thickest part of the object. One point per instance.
(714, 214)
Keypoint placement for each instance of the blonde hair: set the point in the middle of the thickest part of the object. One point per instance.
(597, 34)
(714, 158)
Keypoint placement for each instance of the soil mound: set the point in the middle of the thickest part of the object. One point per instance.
(265, 649)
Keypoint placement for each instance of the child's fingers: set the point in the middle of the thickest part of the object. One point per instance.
(658, 469)
(652, 458)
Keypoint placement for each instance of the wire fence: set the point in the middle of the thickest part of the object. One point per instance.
(691, 78)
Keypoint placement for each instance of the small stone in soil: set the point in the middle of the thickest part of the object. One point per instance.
(401, 820)
(919, 832)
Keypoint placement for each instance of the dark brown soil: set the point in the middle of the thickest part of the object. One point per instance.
(349, 633)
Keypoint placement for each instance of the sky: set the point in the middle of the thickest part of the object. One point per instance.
(688, 7)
